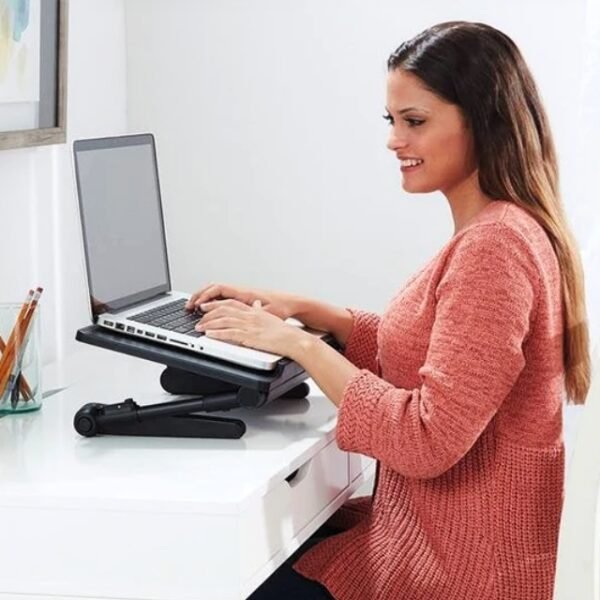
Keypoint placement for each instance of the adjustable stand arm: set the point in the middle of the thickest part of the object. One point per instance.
(220, 385)
(168, 419)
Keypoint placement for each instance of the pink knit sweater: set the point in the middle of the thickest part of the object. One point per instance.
(459, 399)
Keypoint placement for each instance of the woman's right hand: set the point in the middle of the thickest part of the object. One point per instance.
(277, 303)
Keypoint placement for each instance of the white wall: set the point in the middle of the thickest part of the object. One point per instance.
(272, 148)
(271, 143)
(39, 239)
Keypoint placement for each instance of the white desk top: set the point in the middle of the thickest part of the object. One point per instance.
(45, 462)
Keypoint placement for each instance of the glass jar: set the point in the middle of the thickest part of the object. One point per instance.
(20, 364)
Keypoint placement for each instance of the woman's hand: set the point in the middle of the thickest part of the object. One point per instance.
(251, 326)
(277, 303)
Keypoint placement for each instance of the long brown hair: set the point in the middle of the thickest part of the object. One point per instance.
(481, 70)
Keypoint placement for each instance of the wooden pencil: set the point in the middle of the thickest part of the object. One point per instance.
(11, 389)
(24, 386)
(14, 345)
(21, 347)
(7, 358)
(22, 341)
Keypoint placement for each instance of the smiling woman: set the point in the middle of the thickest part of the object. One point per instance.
(430, 137)
(457, 389)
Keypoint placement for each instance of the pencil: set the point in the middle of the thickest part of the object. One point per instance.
(23, 384)
(6, 360)
(20, 348)
(14, 352)
(24, 330)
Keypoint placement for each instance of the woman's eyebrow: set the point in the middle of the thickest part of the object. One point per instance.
(409, 108)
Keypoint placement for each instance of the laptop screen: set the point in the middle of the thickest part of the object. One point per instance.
(122, 221)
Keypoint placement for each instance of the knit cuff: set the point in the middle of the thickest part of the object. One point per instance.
(356, 415)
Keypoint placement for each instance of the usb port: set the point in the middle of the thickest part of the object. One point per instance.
(130, 329)
(120, 326)
(109, 323)
(148, 334)
(161, 337)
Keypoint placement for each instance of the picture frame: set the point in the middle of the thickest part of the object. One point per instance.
(33, 73)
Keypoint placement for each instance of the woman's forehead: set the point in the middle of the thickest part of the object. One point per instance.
(405, 90)
(401, 84)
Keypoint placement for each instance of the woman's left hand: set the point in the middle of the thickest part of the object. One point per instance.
(251, 326)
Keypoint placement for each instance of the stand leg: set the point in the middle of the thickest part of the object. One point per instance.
(159, 420)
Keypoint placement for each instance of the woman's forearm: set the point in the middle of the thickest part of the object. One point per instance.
(324, 317)
(328, 368)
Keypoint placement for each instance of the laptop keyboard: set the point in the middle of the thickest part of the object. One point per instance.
(172, 317)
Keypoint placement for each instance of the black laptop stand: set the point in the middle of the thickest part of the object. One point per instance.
(219, 386)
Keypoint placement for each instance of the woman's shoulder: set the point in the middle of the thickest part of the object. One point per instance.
(505, 222)
(506, 226)
(507, 214)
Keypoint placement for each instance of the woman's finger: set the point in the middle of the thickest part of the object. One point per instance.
(216, 313)
(215, 291)
(226, 322)
(227, 335)
(213, 305)
(203, 292)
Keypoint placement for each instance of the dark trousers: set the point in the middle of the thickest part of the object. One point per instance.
(286, 584)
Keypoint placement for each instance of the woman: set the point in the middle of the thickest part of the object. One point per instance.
(457, 389)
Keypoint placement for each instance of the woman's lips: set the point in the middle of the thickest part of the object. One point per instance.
(411, 168)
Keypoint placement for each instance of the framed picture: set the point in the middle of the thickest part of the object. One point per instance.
(33, 72)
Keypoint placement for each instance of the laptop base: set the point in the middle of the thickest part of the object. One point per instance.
(219, 386)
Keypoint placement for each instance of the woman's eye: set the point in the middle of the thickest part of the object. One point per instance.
(389, 118)
(414, 122)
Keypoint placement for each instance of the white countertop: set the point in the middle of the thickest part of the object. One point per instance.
(45, 462)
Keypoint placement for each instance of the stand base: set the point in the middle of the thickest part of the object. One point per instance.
(127, 418)
(176, 418)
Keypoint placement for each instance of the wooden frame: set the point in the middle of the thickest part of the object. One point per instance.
(55, 134)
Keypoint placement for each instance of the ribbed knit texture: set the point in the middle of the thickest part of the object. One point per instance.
(459, 399)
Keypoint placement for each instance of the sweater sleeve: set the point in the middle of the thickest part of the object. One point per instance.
(361, 345)
(485, 301)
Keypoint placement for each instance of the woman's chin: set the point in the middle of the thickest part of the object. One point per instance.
(411, 187)
(414, 187)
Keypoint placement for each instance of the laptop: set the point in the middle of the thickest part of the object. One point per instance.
(125, 251)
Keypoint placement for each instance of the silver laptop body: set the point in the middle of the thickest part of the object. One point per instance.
(125, 248)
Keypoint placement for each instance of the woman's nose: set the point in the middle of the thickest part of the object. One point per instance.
(395, 142)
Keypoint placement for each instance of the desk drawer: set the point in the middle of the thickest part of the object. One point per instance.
(315, 484)
(275, 520)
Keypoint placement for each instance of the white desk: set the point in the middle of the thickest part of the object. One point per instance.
(158, 518)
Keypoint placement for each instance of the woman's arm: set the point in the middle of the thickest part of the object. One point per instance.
(330, 370)
(324, 317)
(485, 305)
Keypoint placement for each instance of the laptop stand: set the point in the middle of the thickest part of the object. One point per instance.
(219, 386)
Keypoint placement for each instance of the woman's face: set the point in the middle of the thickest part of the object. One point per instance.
(428, 135)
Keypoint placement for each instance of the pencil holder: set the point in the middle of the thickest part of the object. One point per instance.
(20, 365)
